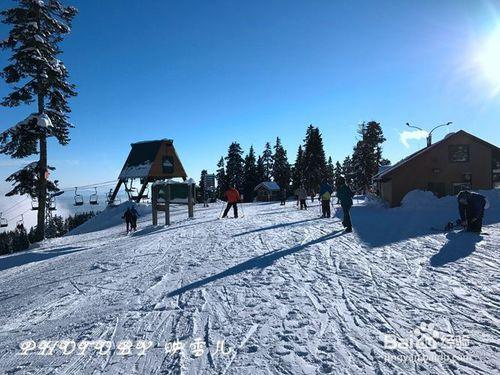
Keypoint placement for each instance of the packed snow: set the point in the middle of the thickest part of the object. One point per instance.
(277, 291)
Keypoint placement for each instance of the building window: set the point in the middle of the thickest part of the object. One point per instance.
(458, 153)
(459, 186)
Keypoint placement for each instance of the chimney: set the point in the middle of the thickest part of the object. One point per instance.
(429, 140)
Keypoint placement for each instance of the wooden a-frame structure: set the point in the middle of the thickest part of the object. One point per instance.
(149, 161)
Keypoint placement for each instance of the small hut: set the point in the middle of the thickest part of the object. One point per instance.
(268, 191)
(148, 161)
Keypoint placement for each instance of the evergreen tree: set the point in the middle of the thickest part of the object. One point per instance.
(330, 172)
(261, 170)
(234, 166)
(220, 175)
(367, 155)
(281, 168)
(250, 176)
(337, 174)
(202, 182)
(268, 162)
(37, 75)
(347, 169)
(298, 170)
(56, 227)
(315, 169)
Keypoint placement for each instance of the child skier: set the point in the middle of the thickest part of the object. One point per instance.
(471, 208)
(301, 194)
(325, 193)
(344, 194)
(233, 197)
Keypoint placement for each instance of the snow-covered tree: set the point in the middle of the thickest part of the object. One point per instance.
(37, 76)
(330, 172)
(281, 167)
(337, 173)
(261, 170)
(268, 162)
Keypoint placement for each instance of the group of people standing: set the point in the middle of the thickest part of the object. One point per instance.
(130, 216)
(344, 196)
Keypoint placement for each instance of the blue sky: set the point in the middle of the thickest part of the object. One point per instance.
(207, 73)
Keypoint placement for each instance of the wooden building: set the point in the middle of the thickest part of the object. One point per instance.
(267, 191)
(460, 161)
(148, 161)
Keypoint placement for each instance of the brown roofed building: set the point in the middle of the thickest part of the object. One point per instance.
(460, 161)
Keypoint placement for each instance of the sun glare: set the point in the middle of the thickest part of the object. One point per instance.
(489, 60)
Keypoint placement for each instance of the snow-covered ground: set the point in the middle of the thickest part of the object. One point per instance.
(278, 291)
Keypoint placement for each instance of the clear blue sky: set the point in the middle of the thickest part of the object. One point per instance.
(207, 73)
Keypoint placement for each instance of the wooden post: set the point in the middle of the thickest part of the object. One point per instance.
(141, 192)
(167, 205)
(190, 201)
(154, 197)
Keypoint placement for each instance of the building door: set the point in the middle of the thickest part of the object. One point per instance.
(438, 188)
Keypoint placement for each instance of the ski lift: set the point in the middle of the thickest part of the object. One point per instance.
(3, 222)
(34, 204)
(20, 222)
(112, 202)
(52, 204)
(78, 198)
(94, 198)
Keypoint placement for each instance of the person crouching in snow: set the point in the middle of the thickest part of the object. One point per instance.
(471, 208)
(325, 193)
(129, 217)
(233, 197)
(344, 194)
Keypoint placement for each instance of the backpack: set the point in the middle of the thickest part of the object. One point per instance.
(326, 196)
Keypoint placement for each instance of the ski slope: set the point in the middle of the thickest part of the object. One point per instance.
(278, 291)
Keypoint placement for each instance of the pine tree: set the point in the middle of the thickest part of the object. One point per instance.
(330, 172)
(337, 174)
(234, 166)
(202, 182)
(261, 170)
(268, 162)
(281, 168)
(221, 177)
(298, 170)
(39, 76)
(315, 169)
(347, 169)
(250, 176)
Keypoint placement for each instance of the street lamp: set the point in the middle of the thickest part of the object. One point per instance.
(429, 136)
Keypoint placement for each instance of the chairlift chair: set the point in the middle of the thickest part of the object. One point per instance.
(20, 222)
(78, 198)
(52, 204)
(3, 222)
(34, 204)
(94, 198)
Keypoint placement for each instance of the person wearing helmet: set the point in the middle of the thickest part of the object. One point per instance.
(471, 208)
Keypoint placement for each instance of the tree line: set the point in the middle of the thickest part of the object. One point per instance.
(310, 169)
(20, 239)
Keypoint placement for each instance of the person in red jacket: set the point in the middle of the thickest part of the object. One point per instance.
(233, 197)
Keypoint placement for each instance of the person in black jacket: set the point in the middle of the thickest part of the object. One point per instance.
(471, 208)
(129, 219)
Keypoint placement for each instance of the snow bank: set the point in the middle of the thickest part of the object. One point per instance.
(110, 217)
(424, 200)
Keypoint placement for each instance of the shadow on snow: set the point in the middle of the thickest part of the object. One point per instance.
(33, 257)
(459, 245)
(259, 262)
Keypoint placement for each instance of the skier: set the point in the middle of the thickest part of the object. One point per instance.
(471, 208)
(344, 194)
(283, 197)
(325, 193)
(301, 194)
(135, 214)
(128, 216)
(233, 197)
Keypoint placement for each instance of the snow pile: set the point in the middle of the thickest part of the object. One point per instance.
(110, 217)
(136, 171)
(373, 200)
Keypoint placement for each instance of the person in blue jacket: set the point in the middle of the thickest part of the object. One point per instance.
(344, 195)
(325, 193)
(471, 208)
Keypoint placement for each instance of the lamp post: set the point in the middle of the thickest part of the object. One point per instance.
(429, 136)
